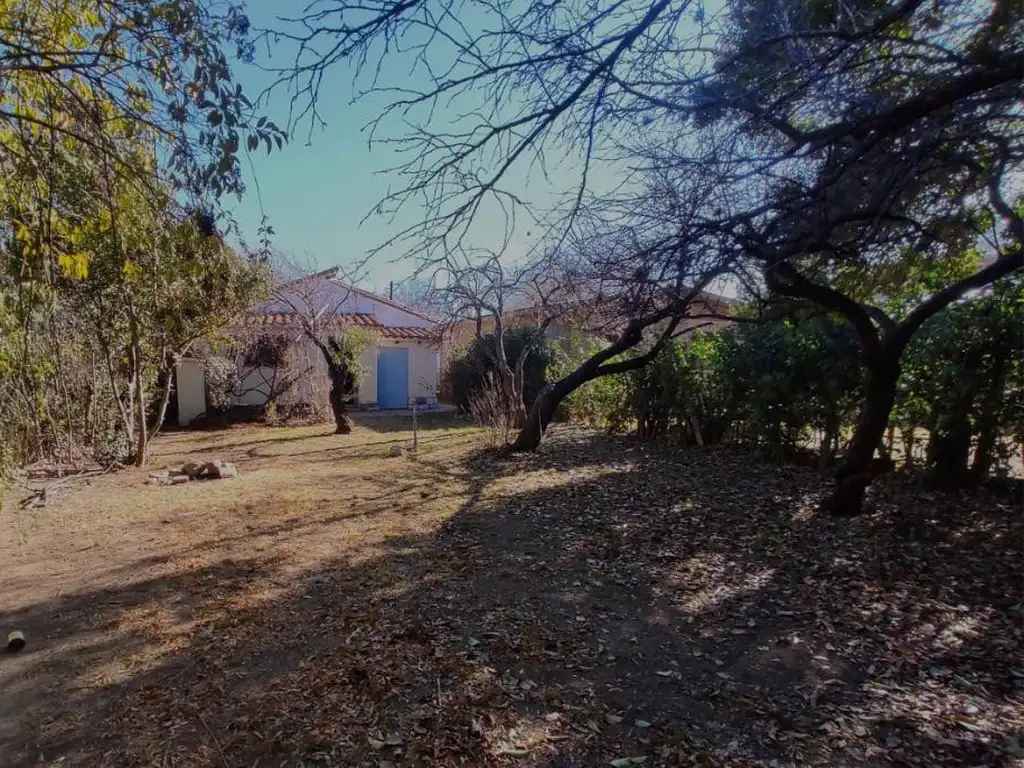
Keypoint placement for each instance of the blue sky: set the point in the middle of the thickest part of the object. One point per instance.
(316, 193)
(317, 190)
(320, 187)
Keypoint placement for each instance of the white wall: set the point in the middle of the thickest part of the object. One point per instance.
(191, 383)
(256, 386)
(390, 316)
(342, 299)
(368, 382)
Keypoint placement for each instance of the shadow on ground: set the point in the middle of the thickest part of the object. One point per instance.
(402, 421)
(600, 601)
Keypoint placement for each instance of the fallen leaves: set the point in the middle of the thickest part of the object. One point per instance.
(603, 603)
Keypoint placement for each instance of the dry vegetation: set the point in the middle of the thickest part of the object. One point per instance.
(601, 601)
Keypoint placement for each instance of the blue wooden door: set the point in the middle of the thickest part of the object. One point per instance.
(392, 377)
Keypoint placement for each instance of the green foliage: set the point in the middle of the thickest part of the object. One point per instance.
(467, 373)
(93, 91)
(600, 403)
(81, 357)
(347, 348)
(791, 381)
(963, 386)
(777, 387)
(794, 387)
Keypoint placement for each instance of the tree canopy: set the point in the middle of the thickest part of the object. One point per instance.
(843, 147)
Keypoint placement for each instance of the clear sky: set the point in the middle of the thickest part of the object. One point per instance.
(320, 187)
(317, 190)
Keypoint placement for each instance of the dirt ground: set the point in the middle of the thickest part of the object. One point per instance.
(603, 602)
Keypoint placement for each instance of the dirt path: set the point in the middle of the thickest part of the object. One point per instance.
(599, 602)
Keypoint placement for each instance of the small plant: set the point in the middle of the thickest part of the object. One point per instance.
(221, 384)
(488, 408)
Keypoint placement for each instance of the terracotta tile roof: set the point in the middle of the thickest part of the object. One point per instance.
(425, 334)
(363, 320)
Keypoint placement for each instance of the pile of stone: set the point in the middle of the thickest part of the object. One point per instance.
(193, 470)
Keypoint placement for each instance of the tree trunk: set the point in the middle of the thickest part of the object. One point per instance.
(550, 397)
(540, 416)
(828, 440)
(124, 408)
(988, 432)
(698, 434)
(165, 395)
(858, 467)
(908, 438)
(951, 447)
(339, 378)
(142, 446)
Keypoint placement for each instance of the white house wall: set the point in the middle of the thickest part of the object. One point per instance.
(342, 299)
(368, 381)
(424, 364)
(390, 316)
(191, 382)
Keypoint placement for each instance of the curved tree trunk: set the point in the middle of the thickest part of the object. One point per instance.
(988, 433)
(541, 413)
(342, 421)
(544, 406)
(859, 466)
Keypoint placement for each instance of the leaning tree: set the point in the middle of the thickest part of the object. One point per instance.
(317, 303)
(851, 136)
(883, 135)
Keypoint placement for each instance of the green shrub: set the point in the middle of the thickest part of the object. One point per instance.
(598, 404)
(468, 372)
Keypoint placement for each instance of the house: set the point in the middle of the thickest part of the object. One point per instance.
(277, 362)
(709, 312)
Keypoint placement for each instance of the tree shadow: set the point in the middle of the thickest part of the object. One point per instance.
(600, 600)
(402, 421)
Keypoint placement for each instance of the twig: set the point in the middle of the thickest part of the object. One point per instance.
(216, 743)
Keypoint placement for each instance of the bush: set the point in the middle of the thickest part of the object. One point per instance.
(221, 385)
(467, 374)
(487, 407)
(776, 387)
(598, 404)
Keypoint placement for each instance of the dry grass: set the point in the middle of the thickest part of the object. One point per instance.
(303, 490)
(335, 606)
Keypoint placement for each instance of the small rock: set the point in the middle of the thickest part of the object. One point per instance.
(971, 709)
(226, 469)
(396, 450)
(192, 469)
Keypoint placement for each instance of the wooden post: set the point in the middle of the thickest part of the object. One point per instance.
(415, 427)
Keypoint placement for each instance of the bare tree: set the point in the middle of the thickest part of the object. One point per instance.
(316, 301)
(845, 136)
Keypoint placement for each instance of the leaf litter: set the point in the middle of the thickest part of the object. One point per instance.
(603, 602)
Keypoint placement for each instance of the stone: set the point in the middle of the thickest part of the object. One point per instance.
(192, 469)
(226, 469)
(219, 470)
(179, 479)
(396, 450)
